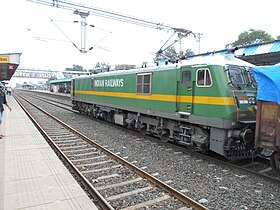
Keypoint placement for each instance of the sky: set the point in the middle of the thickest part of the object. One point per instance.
(43, 33)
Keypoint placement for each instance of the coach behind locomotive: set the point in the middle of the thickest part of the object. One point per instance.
(267, 135)
(208, 103)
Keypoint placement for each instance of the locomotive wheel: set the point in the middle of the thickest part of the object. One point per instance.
(164, 138)
(275, 162)
(143, 131)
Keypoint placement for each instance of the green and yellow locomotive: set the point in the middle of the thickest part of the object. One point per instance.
(206, 103)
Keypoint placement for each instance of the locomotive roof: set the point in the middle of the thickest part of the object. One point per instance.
(216, 59)
(195, 61)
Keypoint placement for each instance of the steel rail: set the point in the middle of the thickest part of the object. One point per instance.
(180, 196)
(222, 162)
(98, 198)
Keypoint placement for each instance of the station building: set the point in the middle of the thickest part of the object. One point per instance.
(60, 86)
(8, 65)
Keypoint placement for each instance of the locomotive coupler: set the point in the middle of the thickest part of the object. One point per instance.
(245, 135)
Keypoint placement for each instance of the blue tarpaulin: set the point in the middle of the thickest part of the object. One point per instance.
(268, 81)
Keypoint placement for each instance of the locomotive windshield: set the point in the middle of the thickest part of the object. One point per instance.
(240, 76)
(251, 78)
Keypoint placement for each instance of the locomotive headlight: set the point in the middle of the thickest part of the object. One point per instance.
(252, 100)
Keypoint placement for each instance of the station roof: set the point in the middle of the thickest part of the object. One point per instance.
(258, 54)
(8, 65)
(59, 81)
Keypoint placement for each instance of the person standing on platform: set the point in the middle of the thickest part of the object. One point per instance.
(2, 102)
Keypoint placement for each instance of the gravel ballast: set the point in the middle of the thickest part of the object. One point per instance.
(214, 186)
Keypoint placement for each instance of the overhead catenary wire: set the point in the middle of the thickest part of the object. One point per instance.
(46, 39)
(68, 5)
(65, 34)
(68, 38)
(87, 9)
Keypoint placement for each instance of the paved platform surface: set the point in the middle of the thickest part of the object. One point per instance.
(31, 175)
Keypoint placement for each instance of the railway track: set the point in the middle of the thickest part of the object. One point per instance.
(210, 181)
(110, 179)
(259, 166)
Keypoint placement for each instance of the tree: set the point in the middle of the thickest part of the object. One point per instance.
(76, 68)
(278, 37)
(170, 54)
(249, 37)
(102, 65)
(97, 65)
(185, 54)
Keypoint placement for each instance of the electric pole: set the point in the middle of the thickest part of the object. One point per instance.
(199, 36)
(83, 15)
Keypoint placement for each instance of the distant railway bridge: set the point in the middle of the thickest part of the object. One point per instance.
(46, 74)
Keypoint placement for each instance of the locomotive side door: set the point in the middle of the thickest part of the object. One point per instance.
(185, 91)
(73, 88)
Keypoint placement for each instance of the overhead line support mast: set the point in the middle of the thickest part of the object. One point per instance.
(83, 15)
(85, 10)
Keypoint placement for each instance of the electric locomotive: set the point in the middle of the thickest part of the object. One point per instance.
(206, 103)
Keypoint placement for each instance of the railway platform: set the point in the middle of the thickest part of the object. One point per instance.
(31, 175)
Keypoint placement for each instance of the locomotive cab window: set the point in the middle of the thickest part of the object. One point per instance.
(144, 83)
(92, 84)
(203, 78)
(240, 76)
(186, 78)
